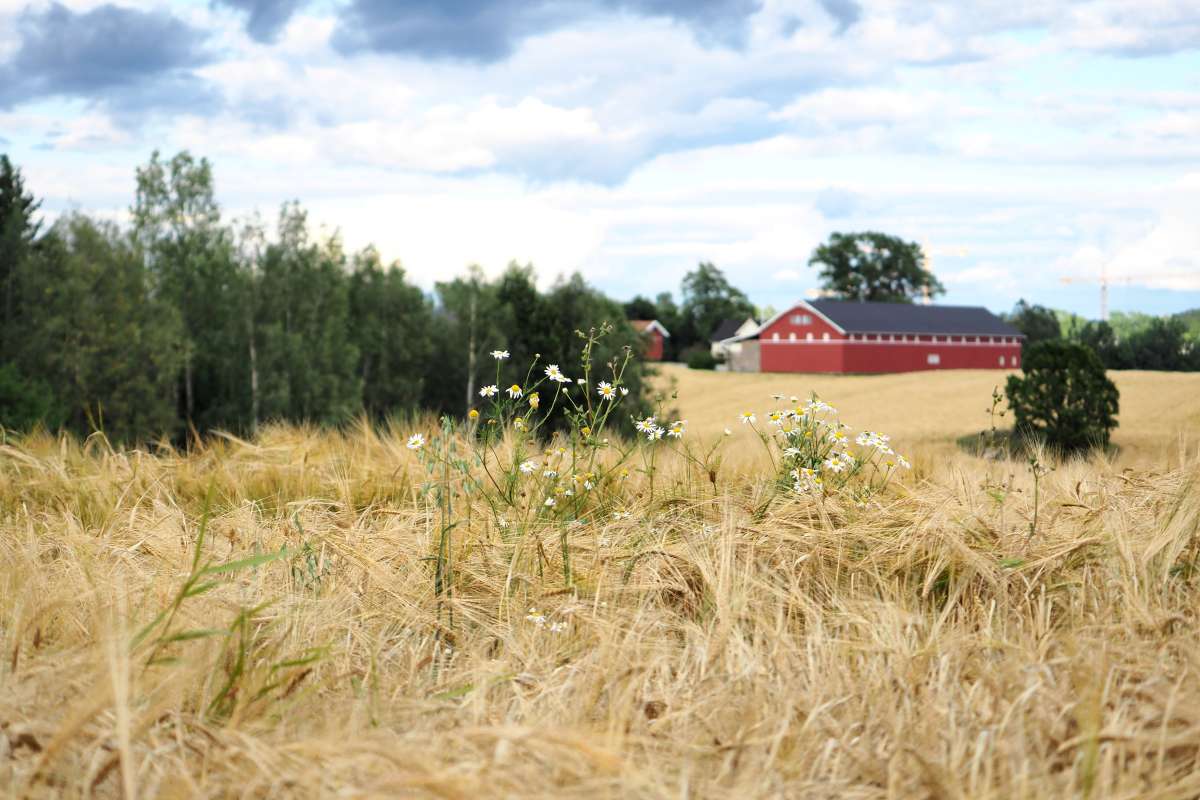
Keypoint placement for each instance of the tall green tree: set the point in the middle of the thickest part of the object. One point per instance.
(1163, 345)
(1038, 323)
(109, 348)
(308, 364)
(1102, 340)
(18, 232)
(391, 328)
(708, 298)
(471, 321)
(875, 267)
(177, 223)
(641, 308)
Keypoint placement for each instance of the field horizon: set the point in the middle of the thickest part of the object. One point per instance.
(1156, 407)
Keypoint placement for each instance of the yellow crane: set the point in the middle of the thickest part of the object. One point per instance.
(1105, 280)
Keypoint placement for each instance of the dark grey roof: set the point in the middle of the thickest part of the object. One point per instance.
(858, 317)
(727, 328)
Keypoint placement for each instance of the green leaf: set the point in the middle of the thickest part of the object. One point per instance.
(243, 563)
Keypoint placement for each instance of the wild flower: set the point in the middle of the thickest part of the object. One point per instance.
(549, 502)
(677, 428)
(519, 423)
(903, 462)
(489, 391)
(534, 400)
(835, 464)
(624, 391)
(748, 417)
(605, 390)
(655, 433)
(549, 474)
(416, 441)
(499, 355)
(644, 425)
(555, 374)
(806, 480)
(528, 467)
(473, 414)
(515, 391)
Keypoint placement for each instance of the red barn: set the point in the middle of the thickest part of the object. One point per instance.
(655, 335)
(849, 336)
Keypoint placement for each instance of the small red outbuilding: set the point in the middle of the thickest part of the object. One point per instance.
(655, 335)
(849, 336)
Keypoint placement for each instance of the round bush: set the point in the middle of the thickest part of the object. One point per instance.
(1064, 398)
(701, 359)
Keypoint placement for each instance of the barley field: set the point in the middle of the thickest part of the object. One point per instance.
(301, 615)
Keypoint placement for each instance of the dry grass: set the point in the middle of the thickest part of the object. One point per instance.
(932, 409)
(927, 647)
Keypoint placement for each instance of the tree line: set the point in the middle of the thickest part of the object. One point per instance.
(1128, 341)
(182, 321)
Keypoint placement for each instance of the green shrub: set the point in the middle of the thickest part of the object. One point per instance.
(23, 402)
(701, 358)
(1064, 398)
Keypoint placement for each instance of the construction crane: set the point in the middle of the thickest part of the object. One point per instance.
(1105, 280)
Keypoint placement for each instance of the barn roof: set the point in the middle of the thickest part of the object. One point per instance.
(727, 328)
(645, 325)
(862, 317)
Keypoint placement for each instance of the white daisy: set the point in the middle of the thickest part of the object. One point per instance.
(499, 355)
(489, 390)
(416, 441)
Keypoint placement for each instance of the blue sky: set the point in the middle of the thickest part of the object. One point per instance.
(629, 139)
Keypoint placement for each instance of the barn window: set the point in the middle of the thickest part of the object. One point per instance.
(775, 336)
(792, 336)
(1002, 361)
(825, 336)
(933, 359)
(808, 336)
(801, 319)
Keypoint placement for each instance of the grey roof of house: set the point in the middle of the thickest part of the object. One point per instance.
(861, 317)
(727, 328)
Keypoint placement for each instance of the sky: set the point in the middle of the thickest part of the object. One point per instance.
(1022, 143)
